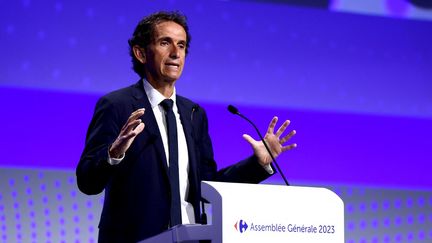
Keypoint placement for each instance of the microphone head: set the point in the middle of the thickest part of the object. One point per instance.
(233, 110)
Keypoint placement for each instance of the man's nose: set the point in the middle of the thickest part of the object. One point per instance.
(174, 52)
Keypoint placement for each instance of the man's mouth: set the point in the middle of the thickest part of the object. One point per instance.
(170, 64)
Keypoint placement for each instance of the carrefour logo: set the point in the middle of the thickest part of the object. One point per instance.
(241, 226)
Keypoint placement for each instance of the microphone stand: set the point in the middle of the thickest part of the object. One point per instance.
(235, 111)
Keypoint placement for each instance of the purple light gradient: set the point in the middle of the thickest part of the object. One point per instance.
(333, 147)
(357, 88)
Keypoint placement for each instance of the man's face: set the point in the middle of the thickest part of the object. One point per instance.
(165, 56)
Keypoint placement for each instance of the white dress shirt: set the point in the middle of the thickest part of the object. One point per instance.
(155, 99)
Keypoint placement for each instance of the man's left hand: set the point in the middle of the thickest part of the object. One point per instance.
(274, 142)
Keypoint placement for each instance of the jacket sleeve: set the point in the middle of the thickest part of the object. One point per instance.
(93, 171)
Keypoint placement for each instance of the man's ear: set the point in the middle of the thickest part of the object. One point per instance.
(139, 53)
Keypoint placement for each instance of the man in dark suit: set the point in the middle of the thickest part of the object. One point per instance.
(149, 148)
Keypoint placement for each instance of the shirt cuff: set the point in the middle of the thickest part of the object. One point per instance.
(267, 168)
(114, 161)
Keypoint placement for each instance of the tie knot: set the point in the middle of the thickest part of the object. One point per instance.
(167, 104)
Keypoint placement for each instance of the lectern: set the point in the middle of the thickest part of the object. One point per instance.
(264, 213)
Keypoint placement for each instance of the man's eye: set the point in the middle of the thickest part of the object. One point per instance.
(164, 43)
(181, 46)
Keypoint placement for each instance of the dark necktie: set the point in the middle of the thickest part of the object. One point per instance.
(167, 104)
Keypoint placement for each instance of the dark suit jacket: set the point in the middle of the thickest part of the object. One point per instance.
(137, 191)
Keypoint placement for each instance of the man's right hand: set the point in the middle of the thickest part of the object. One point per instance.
(129, 131)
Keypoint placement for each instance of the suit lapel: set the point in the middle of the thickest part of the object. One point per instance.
(151, 133)
(151, 130)
(185, 111)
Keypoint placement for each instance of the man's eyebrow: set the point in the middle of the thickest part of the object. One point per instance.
(168, 38)
(164, 38)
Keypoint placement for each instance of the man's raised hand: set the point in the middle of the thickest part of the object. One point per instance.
(274, 141)
(129, 131)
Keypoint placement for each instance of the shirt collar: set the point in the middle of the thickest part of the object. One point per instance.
(154, 96)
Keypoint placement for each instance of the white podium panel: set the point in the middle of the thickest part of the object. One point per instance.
(269, 213)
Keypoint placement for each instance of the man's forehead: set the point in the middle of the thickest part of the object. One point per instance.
(169, 29)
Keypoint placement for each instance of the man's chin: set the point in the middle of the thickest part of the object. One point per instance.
(171, 78)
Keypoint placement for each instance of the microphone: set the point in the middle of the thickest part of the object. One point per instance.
(235, 111)
(194, 108)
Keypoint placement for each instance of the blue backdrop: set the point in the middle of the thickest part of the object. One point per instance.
(357, 88)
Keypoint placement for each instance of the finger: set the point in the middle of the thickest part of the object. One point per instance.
(134, 131)
(287, 137)
(138, 110)
(126, 137)
(134, 115)
(272, 125)
(137, 114)
(132, 125)
(282, 128)
(138, 129)
(249, 139)
(289, 147)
